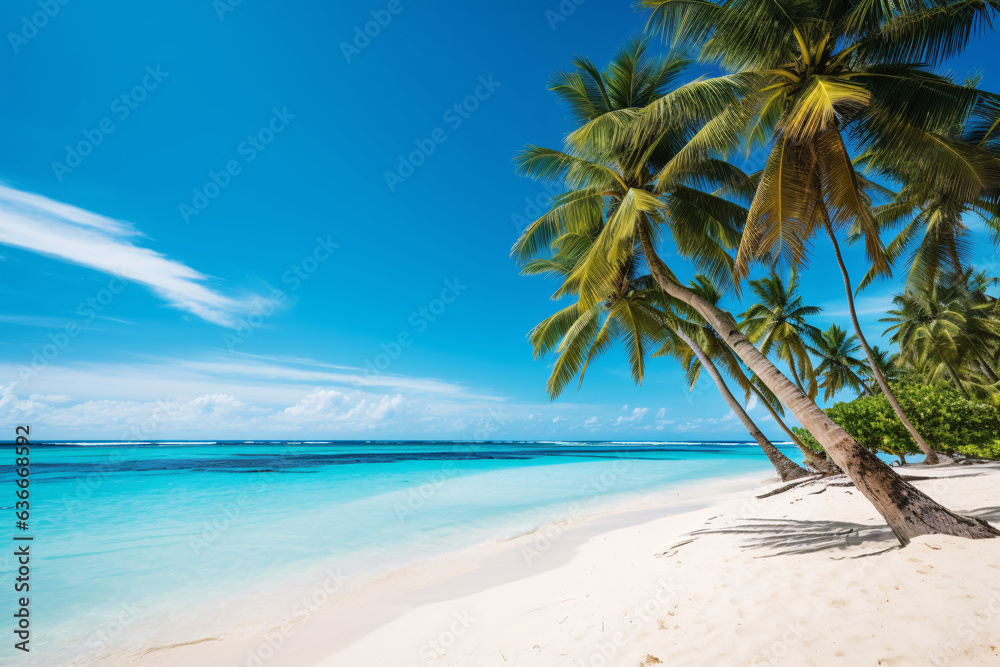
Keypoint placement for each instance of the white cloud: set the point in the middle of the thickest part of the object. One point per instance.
(220, 396)
(330, 406)
(307, 371)
(51, 228)
(52, 398)
(637, 415)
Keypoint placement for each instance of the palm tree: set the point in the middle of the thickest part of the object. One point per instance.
(980, 337)
(838, 367)
(927, 331)
(627, 308)
(808, 70)
(943, 326)
(633, 316)
(777, 322)
(689, 349)
(609, 168)
(888, 364)
(931, 204)
(717, 349)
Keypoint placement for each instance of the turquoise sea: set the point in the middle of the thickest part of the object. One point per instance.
(204, 539)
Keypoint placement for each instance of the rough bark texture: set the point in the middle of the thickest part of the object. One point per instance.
(908, 511)
(931, 456)
(787, 469)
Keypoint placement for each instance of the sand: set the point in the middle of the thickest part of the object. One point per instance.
(707, 575)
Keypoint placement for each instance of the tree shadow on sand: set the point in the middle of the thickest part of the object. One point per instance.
(782, 537)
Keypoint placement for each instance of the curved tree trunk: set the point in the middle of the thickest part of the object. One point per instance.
(787, 469)
(907, 510)
(811, 458)
(931, 457)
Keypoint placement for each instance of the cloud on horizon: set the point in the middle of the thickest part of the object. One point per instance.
(219, 397)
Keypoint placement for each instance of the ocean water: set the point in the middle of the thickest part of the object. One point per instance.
(156, 543)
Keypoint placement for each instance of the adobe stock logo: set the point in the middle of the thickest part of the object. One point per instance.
(122, 107)
(31, 25)
(248, 149)
(455, 116)
(363, 35)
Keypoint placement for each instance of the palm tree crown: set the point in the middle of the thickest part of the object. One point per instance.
(777, 323)
(838, 367)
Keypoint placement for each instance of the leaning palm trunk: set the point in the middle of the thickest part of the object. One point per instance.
(931, 457)
(907, 510)
(811, 458)
(787, 469)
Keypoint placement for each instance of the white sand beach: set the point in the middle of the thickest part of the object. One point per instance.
(706, 575)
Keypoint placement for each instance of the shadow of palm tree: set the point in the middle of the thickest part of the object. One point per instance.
(780, 537)
(991, 514)
(790, 536)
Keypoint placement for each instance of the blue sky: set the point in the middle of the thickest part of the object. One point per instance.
(199, 237)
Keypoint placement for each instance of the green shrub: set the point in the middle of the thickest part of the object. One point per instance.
(947, 421)
(990, 450)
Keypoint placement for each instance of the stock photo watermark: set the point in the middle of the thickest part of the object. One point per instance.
(363, 34)
(327, 591)
(983, 621)
(31, 24)
(592, 490)
(122, 107)
(419, 495)
(223, 7)
(58, 341)
(262, 309)
(419, 320)
(562, 12)
(247, 151)
(534, 208)
(112, 630)
(606, 653)
(454, 117)
(437, 646)
(140, 429)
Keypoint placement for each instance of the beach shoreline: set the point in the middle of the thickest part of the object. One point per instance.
(361, 605)
(707, 573)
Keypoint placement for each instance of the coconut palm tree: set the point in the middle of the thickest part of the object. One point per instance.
(609, 168)
(806, 72)
(838, 367)
(777, 323)
(637, 313)
(717, 349)
(948, 329)
(980, 337)
(888, 364)
(928, 330)
(931, 207)
(633, 315)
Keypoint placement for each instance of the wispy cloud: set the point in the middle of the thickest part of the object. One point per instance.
(870, 304)
(51, 228)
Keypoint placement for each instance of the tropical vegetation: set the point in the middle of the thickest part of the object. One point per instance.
(859, 135)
